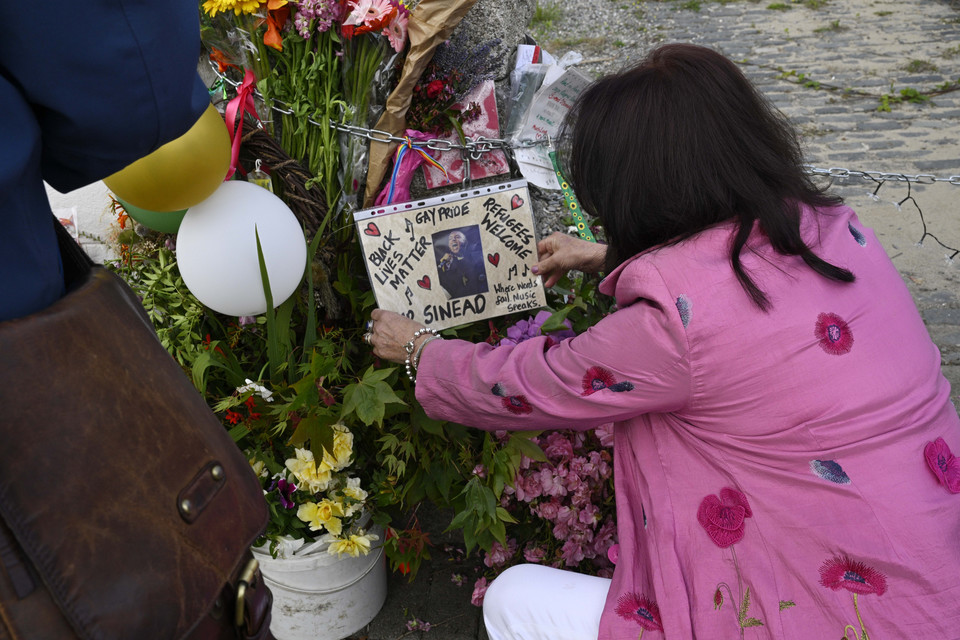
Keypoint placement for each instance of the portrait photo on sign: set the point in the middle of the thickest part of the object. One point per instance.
(459, 254)
(454, 259)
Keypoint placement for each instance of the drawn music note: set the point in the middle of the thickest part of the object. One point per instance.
(409, 227)
(409, 294)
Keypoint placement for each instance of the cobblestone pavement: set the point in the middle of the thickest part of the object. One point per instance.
(826, 65)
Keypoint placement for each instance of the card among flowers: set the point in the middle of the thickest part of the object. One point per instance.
(456, 258)
(487, 125)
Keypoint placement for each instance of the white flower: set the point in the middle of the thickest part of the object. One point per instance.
(261, 390)
(356, 495)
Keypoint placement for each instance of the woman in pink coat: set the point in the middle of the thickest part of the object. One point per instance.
(783, 432)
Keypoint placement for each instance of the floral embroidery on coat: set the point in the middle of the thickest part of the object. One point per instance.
(723, 519)
(640, 609)
(598, 379)
(833, 334)
(857, 235)
(943, 464)
(857, 578)
(830, 470)
(685, 307)
(517, 404)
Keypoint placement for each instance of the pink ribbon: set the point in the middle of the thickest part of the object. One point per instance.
(235, 111)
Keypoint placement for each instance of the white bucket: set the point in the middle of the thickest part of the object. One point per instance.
(322, 597)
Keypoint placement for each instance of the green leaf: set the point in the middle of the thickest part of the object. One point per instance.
(238, 432)
(786, 604)
(521, 441)
(751, 622)
(505, 516)
(744, 605)
(273, 345)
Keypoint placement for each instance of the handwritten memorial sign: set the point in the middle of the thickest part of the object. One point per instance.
(454, 259)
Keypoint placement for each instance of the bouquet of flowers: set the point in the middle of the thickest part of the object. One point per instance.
(454, 71)
(316, 62)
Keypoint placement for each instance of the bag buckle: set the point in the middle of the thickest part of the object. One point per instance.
(246, 577)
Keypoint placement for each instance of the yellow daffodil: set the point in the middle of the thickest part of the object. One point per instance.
(355, 545)
(321, 515)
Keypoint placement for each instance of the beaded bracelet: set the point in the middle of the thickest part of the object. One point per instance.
(416, 358)
(408, 362)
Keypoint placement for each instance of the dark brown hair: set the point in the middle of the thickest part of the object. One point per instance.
(682, 142)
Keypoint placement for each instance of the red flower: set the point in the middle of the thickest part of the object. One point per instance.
(646, 613)
(834, 334)
(598, 378)
(232, 417)
(943, 464)
(517, 405)
(723, 517)
(855, 577)
(717, 599)
(434, 88)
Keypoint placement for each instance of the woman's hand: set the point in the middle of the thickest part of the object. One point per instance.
(390, 332)
(559, 253)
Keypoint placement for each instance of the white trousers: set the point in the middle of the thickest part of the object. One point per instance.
(533, 602)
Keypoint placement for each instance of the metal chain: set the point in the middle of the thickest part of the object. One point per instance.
(879, 176)
(475, 148)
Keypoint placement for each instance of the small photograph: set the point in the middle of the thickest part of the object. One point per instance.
(460, 265)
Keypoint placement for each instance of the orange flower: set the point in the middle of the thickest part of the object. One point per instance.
(223, 62)
(276, 18)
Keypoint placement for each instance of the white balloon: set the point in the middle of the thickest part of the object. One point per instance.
(217, 249)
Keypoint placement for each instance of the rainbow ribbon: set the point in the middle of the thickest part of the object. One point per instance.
(402, 149)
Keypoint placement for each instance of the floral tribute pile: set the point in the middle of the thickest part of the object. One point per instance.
(336, 436)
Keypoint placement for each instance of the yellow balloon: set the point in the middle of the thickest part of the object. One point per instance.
(181, 173)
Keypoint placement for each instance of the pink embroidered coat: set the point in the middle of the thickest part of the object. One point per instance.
(778, 475)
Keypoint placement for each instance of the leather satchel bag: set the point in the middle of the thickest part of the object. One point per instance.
(126, 511)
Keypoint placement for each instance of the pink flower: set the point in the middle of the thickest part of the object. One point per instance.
(572, 552)
(549, 510)
(856, 577)
(636, 607)
(834, 334)
(558, 446)
(943, 464)
(534, 554)
(605, 434)
(480, 471)
(367, 11)
(723, 517)
(396, 31)
(479, 591)
(498, 555)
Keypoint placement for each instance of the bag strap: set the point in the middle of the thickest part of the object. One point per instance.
(76, 263)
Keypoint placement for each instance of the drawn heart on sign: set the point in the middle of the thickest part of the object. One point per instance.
(516, 202)
(372, 229)
(494, 258)
(425, 283)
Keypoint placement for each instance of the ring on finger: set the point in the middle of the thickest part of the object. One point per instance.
(368, 338)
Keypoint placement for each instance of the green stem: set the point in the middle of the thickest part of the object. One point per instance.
(856, 607)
